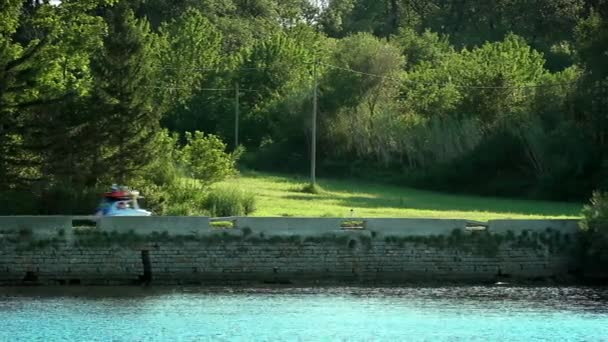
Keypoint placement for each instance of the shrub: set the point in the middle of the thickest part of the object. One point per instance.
(205, 159)
(594, 237)
(177, 182)
(353, 224)
(179, 197)
(58, 197)
(222, 224)
(229, 201)
(310, 188)
(595, 214)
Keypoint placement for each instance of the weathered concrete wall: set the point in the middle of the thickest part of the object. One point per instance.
(378, 262)
(277, 250)
(193, 262)
(413, 227)
(304, 226)
(45, 226)
(41, 227)
(174, 225)
(348, 256)
(517, 226)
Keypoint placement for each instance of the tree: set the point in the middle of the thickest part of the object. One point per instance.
(359, 107)
(275, 68)
(382, 18)
(425, 47)
(43, 63)
(205, 158)
(190, 50)
(367, 55)
(126, 116)
(592, 46)
(486, 84)
(543, 23)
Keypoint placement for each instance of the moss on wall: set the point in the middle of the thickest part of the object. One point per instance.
(482, 242)
(488, 244)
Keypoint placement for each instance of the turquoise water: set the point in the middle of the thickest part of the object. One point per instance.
(304, 314)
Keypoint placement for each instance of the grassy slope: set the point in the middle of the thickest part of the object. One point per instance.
(280, 196)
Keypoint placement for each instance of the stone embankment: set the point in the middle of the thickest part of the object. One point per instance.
(190, 250)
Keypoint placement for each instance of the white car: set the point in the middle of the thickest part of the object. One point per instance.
(125, 208)
(121, 201)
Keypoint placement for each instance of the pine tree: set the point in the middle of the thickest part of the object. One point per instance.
(125, 115)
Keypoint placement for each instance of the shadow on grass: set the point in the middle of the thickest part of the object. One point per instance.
(442, 202)
(353, 193)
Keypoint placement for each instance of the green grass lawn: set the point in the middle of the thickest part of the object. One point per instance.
(281, 196)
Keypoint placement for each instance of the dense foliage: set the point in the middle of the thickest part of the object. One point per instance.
(594, 237)
(503, 97)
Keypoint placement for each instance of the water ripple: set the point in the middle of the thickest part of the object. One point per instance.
(304, 314)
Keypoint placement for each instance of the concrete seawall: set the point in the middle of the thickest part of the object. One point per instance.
(174, 250)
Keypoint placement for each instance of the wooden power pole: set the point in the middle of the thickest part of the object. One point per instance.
(236, 115)
(313, 148)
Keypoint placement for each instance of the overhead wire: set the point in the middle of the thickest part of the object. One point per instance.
(401, 81)
(201, 89)
(211, 69)
(363, 73)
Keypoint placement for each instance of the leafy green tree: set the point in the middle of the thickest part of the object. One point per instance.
(190, 50)
(491, 79)
(552, 124)
(366, 55)
(163, 11)
(44, 63)
(382, 18)
(511, 63)
(275, 68)
(359, 93)
(426, 47)
(592, 44)
(543, 23)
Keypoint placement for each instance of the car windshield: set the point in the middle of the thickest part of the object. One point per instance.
(123, 205)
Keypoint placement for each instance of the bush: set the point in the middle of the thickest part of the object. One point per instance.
(594, 237)
(70, 199)
(595, 214)
(59, 198)
(177, 182)
(205, 158)
(222, 224)
(310, 188)
(229, 201)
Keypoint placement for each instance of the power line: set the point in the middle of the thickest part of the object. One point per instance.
(200, 89)
(212, 69)
(237, 91)
(393, 79)
(360, 72)
(401, 81)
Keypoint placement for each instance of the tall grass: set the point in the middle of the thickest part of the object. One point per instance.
(229, 201)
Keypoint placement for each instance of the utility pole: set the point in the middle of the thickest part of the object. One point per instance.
(236, 115)
(313, 149)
